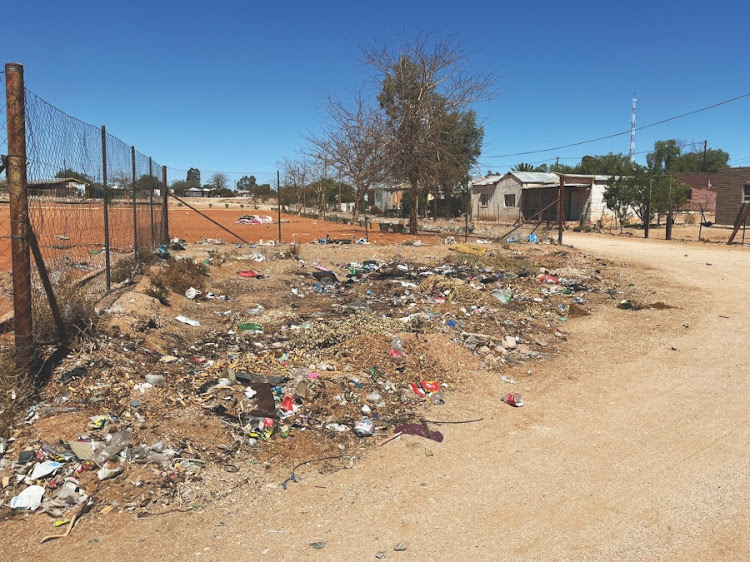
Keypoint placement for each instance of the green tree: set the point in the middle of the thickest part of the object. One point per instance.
(617, 198)
(460, 146)
(606, 165)
(523, 167)
(246, 183)
(67, 173)
(667, 157)
(147, 183)
(668, 190)
(193, 177)
(179, 188)
(421, 82)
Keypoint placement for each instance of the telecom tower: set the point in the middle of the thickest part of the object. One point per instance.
(632, 131)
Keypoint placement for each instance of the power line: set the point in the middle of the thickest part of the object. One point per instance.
(553, 159)
(655, 123)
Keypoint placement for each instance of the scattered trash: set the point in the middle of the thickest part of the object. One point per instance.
(45, 468)
(30, 498)
(192, 293)
(365, 428)
(188, 321)
(156, 380)
(400, 547)
(250, 274)
(513, 399)
(468, 249)
(505, 296)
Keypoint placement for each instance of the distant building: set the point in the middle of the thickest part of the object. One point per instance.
(732, 190)
(533, 196)
(386, 197)
(702, 191)
(198, 192)
(58, 187)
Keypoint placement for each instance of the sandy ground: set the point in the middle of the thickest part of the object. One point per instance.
(631, 446)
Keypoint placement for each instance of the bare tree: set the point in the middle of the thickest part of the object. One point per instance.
(353, 142)
(422, 81)
(219, 180)
(296, 174)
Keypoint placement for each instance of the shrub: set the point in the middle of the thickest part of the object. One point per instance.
(124, 269)
(158, 290)
(76, 310)
(180, 275)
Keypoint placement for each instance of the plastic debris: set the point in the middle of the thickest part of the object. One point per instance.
(30, 498)
(188, 321)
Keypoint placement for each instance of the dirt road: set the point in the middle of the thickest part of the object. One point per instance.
(632, 446)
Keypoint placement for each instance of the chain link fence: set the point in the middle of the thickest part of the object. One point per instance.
(77, 201)
(74, 201)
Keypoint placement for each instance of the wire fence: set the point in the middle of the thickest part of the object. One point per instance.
(75, 201)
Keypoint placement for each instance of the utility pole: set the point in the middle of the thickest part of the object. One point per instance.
(560, 216)
(632, 130)
(669, 211)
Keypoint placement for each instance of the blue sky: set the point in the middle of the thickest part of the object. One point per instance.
(232, 85)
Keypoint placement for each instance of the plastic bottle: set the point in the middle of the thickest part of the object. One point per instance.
(119, 441)
(397, 350)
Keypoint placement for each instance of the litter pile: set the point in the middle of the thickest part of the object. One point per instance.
(339, 354)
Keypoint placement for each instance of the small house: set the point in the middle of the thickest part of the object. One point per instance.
(386, 197)
(500, 197)
(58, 187)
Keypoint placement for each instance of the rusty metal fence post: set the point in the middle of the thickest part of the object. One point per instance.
(151, 180)
(105, 197)
(165, 203)
(135, 207)
(19, 217)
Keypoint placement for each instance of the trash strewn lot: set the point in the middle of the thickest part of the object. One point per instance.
(281, 357)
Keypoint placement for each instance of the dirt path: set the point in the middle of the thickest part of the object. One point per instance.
(633, 446)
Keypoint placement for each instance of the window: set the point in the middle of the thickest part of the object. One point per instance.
(746, 193)
(510, 200)
(483, 200)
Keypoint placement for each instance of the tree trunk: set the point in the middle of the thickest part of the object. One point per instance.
(413, 207)
(434, 208)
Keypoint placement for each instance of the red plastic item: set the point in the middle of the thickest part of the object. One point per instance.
(250, 273)
(288, 403)
(542, 278)
(431, 386)
(416, 390)
(395, 354)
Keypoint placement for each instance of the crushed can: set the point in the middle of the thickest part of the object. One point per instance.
(365, 428)
(513, 399)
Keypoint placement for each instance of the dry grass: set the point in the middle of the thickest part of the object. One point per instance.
(179, 276)
(15, 390)
(76, 310)
(124, 269)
